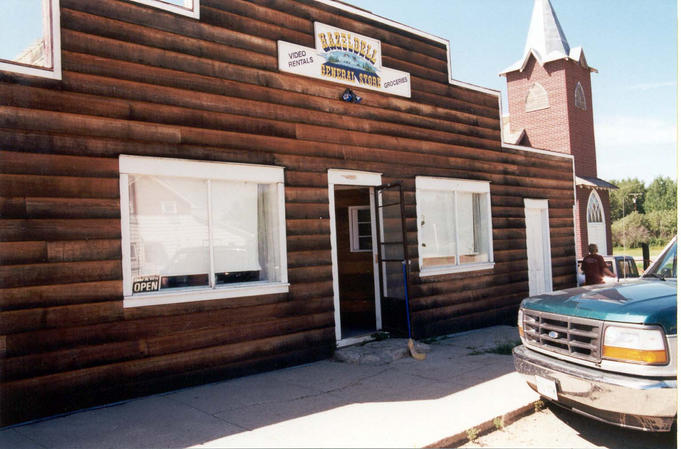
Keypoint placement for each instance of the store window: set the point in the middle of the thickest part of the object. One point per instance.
(185, 7)
(580, 98)
(200, 230)
(537, 98)
(454, 225)
(30, 36)
(360, 229)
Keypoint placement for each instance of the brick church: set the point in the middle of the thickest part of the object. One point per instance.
(550, 107)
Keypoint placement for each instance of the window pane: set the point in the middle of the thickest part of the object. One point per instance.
(364, 229)
(437, 222)
(268, 232)
(245, 232)
(364, 215)
(169, 230)
(393, 279)
(24, 32)
(365, 243)
(471, 227)
(235, 226)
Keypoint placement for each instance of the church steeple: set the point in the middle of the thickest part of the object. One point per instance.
(550, 107)
(546, 36)
(546, 40)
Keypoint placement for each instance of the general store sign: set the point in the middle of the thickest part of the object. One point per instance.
(346, 58)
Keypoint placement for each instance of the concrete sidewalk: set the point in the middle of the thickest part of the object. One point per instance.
(381, 399)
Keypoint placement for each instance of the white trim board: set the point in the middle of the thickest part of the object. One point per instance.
(194, 11)
(183, 168)
(353, 177)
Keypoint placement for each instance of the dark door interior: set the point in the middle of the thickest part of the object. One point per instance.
(354, 244)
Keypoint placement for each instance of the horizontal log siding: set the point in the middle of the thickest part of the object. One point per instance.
(141, 81)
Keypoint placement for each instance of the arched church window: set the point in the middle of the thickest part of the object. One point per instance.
(537, 98)
(580, 98)
(594, 210)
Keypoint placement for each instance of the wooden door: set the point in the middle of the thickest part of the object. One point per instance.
(540, 277)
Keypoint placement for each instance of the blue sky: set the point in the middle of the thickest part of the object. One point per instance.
(632, 43)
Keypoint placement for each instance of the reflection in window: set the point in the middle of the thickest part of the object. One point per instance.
(220, 232)
(29, 32)
(668, 267)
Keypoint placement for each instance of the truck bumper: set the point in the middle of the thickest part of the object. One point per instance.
(626, 401)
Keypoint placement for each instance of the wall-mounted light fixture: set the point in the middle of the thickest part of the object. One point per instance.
(350, 97)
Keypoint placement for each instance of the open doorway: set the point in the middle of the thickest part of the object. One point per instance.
(354, 256)
(355, 252)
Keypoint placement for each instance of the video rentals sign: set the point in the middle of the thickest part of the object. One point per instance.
(346, 58)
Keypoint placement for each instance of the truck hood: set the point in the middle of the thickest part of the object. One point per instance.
(647, 301)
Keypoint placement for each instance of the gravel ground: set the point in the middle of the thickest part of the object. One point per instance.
(554, 427)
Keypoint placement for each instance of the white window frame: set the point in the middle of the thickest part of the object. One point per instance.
(51, 26)
(191, 8)
(353, 219)
(224, 171)
(595, 206)
(426, 183)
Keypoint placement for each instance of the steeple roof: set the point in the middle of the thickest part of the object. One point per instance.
(546, 40)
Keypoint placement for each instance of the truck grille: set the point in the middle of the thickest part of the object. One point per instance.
(572, 336)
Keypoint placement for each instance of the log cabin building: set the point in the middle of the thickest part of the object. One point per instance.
(200, 189)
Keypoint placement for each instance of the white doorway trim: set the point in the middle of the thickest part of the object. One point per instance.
(363, 179)
(540, 274)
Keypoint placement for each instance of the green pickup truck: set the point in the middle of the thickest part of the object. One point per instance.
(607, 351)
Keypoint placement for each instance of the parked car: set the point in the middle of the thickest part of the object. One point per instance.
(607, 351)
(624, 268)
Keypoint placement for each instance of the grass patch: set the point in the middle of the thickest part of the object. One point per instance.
(472, 434)
(637, 252)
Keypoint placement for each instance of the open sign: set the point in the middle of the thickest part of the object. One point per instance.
(146, 284)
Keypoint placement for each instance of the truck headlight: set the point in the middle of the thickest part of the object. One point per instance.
(630, 344)
(521, 331)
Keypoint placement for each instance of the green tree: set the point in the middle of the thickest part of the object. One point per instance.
(631, 230)
(623, 197)
(662, 225)
(661, 195)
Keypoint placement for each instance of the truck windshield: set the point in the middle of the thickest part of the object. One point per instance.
(665, 265)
